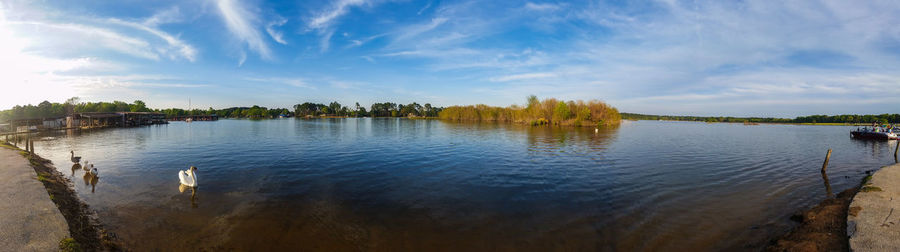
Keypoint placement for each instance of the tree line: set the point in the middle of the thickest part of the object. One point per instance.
(539, 112)
(882, 118)
(47, 109)
(384, 109)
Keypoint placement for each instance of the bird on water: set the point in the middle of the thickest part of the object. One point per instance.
(188, 177)
(74, 158)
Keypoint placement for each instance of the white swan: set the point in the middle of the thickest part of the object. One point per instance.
(74, 158)
(86, 167)
(94, 171)
(188, 177)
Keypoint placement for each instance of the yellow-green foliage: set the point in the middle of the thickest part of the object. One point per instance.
(69, 245)
(574, 113)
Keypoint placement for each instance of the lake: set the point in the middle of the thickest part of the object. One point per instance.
(399, 184)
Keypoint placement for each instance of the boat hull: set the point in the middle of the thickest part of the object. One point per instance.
(873, 135)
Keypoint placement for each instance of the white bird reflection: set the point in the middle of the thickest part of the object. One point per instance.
(90, 179)
(182, 188)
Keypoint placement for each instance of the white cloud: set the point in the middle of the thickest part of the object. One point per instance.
(275, 34)
(242, 24)
(183, 49)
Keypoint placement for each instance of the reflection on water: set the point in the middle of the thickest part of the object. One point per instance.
(182, 188)
(87, 178)
(398, 184)
(828, 192)
(75, 166)
(94, 180)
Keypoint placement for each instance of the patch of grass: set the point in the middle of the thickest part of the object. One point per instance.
(870, 189)
(867, 179)
(69, 245)
(42, 177)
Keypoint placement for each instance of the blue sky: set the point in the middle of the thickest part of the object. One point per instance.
(739, 58)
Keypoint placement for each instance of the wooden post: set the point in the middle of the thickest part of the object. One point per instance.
(896, 149)
(825, 165)
(32, 147)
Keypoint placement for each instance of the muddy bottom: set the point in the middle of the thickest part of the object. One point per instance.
(822, 228)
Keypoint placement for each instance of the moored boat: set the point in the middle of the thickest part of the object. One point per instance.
(873, 134)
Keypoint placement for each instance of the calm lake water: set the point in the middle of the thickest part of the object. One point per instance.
(398, 184)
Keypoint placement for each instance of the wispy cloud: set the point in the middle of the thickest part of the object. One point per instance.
(361, 41)
(415, 30)
(325, 18)
(182, 49)
(296, 82)
(428, 5)
(275, 34)
(242, 24)
(323, 21)
(541, 6)
(168, 16)
(340, 84)
(525, 76)
(101, 36)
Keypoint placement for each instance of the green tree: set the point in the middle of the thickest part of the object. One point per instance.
(139, 106)
(561, 112)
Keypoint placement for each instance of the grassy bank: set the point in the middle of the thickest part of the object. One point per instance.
(546, 112)
(84, 228)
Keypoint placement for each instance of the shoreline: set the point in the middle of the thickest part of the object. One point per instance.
(771, 123)
(822, 227)
(84, 227)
